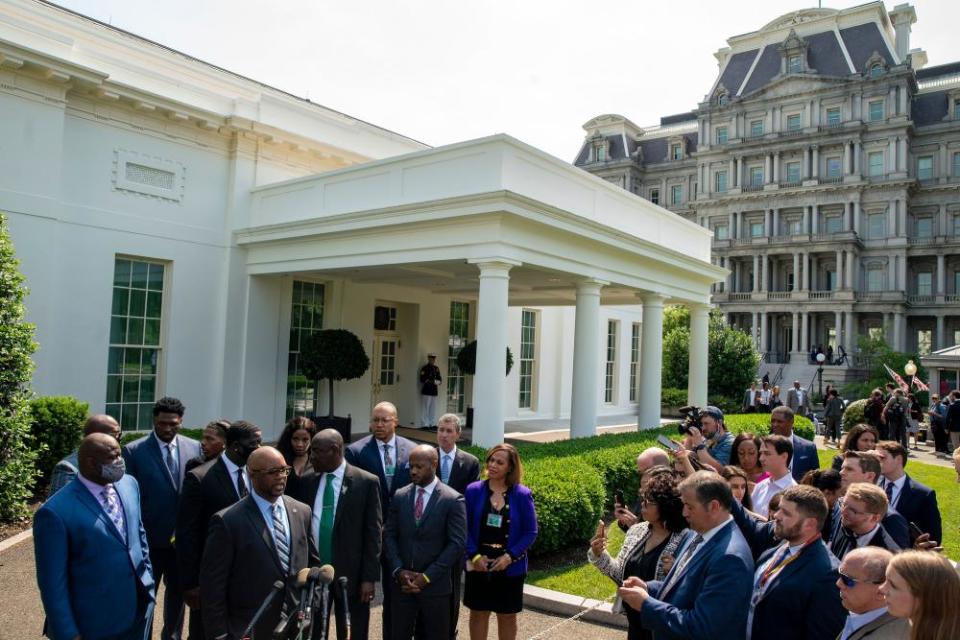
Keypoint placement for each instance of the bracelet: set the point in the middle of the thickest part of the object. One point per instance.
(475, 559)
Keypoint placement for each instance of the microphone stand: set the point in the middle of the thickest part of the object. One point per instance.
(325, 616)
(277, 586)
(342, 580)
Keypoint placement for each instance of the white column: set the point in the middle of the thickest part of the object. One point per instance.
(838, 326)
(776, 167)
(902, 216)
(814, 219)
(806, 272)
(768, 169)
(892, 274)
(754, 328)
(697, 375)
(892, 219)
(488, 387)
(902, 154)
(815, 165)
(796, 271)
(902, 275)
(651, 347)
(856, 158)
(839, 270)
(851, 271)
(849, 340)
(846, 158)
(941, 277)
(756, 273)
(940, 334)
(898, 331)
(806, 220)
(731, 221)
(795, 347)
(765, 267)
(586, 360)
(805, 332)
(776, 222)
(806, 164)
(848, 216)
(763, 332)
(856, 217)
(892, 156)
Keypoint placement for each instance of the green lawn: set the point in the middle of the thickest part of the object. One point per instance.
(582, 579)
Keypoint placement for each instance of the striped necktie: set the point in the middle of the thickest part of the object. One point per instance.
(114, 510)
(843, 542)
(280, 536)
(682, 564)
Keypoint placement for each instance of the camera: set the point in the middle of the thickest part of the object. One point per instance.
(692, 417)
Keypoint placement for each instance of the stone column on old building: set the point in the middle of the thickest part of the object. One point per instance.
(764, 322)
(849, 338)
(839, 271)
(941, 334)
(815, 166)
(651, 349)
(765, 266)
(699, 355)
(796, 271)
(806, 220)
(805, 332)
(851, 271)
(941, 276)
(756, 273)
(806, 271)
(586, 359)
(856, 217)
(898, 330)
(795, 346)
(838, 326)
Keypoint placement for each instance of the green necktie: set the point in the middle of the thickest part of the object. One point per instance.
(325, 542)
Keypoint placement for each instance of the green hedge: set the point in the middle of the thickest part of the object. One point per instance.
(56, 423)
(670, 397)
(853, 414)
(759, 423)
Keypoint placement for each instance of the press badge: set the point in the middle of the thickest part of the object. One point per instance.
(390, 471)
(494, 520)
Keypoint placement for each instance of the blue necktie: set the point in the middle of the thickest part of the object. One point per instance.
(280, 533)
(172, 466)
(445, 469)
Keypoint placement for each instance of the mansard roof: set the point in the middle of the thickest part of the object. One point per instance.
(862, 41)
(930, 108)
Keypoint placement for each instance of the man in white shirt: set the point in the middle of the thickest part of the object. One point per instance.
(798, 399)
(862, 572)
(775, 454)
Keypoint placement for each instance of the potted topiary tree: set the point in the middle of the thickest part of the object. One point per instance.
(467, 363)
(332, 354)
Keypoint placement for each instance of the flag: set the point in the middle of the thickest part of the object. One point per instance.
(896, 378)
(919, 384)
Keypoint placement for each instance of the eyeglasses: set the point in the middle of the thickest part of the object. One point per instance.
(381, 420)
(850, 583)
(276, 471)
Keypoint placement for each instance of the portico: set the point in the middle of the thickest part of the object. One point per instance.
(498, 223)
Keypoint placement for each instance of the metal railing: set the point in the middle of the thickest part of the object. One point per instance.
(922, 299)
(821, 295)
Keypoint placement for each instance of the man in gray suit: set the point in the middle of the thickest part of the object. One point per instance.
(861, 574)
(798, 399)
(424, 537)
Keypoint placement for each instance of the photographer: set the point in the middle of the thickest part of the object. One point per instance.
(711, 443)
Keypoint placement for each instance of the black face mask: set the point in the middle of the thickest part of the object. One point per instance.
(240, 451)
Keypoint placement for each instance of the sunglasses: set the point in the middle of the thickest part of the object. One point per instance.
(852, 582)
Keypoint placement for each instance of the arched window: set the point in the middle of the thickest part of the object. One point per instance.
(876, 71)
(723, 99)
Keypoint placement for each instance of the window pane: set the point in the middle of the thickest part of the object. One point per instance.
(155, 277)
(138, 279)
(121, 301)
(924, 168)
(756, 229)
(876, 163)
(833, 167)
(118, 330)
(114, 388)
(833, 116)
(128, 416)
(793, 172)
(924, 227)
(875, 280)
(793, 122)
(876, 225)
(135, 331)
(121, 273)
(722, 232)
(876, 111)
(306, 318)
(138, 303)
(154, 302)
(756, 127)
(722, 135)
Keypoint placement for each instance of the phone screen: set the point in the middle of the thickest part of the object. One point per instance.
(667, 442)
(618, 496)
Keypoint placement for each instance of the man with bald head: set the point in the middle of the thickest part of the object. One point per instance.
(263, 538)
(93, 569)
(66, 469)
(862, 571)
(424, 537)
(346, 527)
(384, 454)
(648, 459)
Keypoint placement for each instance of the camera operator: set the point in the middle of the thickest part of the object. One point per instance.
(711, 445)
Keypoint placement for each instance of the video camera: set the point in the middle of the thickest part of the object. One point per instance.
(692, 417)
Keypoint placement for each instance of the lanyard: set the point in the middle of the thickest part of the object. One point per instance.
(775, 568)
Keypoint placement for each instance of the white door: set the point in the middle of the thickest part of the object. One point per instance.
(386, 378)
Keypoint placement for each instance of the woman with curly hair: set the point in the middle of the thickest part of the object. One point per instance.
(649, 547)
(861, 437)
(294, 444)
(923, 587)
(745, 453)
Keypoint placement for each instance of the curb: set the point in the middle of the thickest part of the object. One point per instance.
(564, 604)
(15, 540)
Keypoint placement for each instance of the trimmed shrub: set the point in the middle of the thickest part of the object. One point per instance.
(853, 414)
(17, 450)
(467, 359)
(568, 495)
(57, 425)
(759, 423)
(670, 397)
(725, 404)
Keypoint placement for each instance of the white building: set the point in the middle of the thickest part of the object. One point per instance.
(182, 227)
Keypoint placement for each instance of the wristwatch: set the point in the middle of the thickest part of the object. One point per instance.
(700, 447)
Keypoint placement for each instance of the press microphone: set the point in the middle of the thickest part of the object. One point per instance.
(342, 581)
(325, 577)
(277, 587)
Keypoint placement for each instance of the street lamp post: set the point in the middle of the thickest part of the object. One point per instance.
(910, 368)
(820, 359)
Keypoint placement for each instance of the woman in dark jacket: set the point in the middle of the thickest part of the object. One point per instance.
(501, 528)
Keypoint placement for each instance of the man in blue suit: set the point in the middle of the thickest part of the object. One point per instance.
(795, 594)
(804, 452)
(914, 501)
(93, 569)
(158, 462)
(385, 455)
(704, 594)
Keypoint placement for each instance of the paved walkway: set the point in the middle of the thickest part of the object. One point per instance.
(21, 613)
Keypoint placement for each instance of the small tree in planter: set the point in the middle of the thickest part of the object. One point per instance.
(467, 363)
(332, 354)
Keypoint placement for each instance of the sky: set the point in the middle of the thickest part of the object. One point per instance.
(443, 71)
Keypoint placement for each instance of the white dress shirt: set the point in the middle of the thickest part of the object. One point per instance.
(897, 489)
(232, 470)
(427, 492)
(318, 501)
(767, 488)
(267, 509)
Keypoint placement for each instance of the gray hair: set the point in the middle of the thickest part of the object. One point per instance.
(451, 418)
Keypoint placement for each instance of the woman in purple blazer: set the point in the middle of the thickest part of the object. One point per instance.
(501, 527)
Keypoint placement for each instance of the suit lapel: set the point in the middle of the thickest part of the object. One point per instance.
(373, 452)
(86, 499)
(456, 469)
(223, 477)
(260, 526)
(345, 486)
(428, 508)
(296, 532)
(183, 457)
(871, 626)
(806, 555)
(700, 556)
(160, 458)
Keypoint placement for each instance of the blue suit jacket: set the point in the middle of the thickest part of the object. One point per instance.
(709, 599)
(90, 581)
(159, 496)
(364, 454)
(803, 601)
(804, 457)
(523, 523)
(918, 504)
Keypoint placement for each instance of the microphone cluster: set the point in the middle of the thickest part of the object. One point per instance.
(309, 581)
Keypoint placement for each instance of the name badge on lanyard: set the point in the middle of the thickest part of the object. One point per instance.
(494, 520)
(390, 471)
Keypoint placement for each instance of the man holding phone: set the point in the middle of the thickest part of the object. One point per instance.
(712, 446)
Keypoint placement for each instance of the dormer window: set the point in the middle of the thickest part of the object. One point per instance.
(676, 151)
(876, 66)
(876, 71)
(794, 64)
(600, 151)
(723, 100)
(793, 54)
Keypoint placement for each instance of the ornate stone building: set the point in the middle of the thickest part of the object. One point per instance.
(826, 160)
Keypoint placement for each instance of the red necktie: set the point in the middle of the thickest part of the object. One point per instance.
(418, 505)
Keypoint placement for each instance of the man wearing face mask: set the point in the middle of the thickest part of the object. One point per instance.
(93, 569)
(207, 489)
(712, 447)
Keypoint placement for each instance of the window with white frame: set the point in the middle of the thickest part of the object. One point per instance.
(956, 165)
(794, 122)
(924, 227)
(925, 168)
(133, 360)
(528, 358)
(721, 135)
(721, 232)
(676, 151)
(793, 172)
(306, 318)
(956, 286)
(832, 224)
(875, 164)
(676, 194)
(875, 279)
(876, 226)
(655, 196)
(834, 167)
(794, 64)
(610, 372)
(956, 227)
(924, 342)
(831, 279)
(875, 110)
(756, 128)
(833, 116)
(756, 176)
(756, 229)
(795, 226)
(720, 181)
(600, 152)
(924, 283)
(456, 341)
(634, 360)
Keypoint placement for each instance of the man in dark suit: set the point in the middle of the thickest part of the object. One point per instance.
(263, 538)
(914, 501)
(424, 537)
(861, 513)
(804, 452)
(385, 455)
(212, 443)
(93, 569)
(795, 595)
(346, 527)
(861, 574)
(864, 466)
(158, 462)
(704, 594)
(207, 489)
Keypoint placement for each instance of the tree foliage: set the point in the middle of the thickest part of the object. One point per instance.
(873, 354)
(56, 422)
(467, 359)
(732, 358)
(333, 354)
(17, 455)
